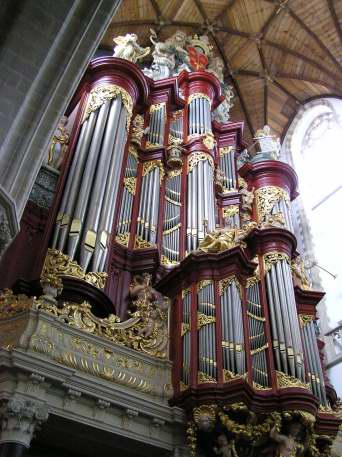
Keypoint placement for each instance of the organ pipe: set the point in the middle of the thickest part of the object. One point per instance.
(172, 215)
(87, 207)
(200, 199)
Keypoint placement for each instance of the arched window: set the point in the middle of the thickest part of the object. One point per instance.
(313, 145)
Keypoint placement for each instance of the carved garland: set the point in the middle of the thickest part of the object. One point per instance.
(100, 94)
(197, 157)
(266, 197)
(58, 264)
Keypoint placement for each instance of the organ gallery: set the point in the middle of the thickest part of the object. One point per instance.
(165, 285)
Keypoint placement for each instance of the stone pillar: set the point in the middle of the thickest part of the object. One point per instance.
(20, 419)
(36, 84)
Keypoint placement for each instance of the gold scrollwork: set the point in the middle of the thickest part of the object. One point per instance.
(58, 264)
(226, 150)
(173, 173)
(198, 95)
(204, 283)
(266, 197)
(140, 243)
(209, 140)
(305, 319)
(203, 319)
(157, 107)
(284, 380)
(165, 261)
(11, 304)
(196, 157)
(151, 165)
(230, 211)
(130, 184)
(229, 375)
(122, 238)
(205, 378)
(185, 328)
(100, 94)
(251, 281)
(226, 282)
(273, 257)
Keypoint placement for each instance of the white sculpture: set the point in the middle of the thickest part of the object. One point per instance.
(221, 114)
(268, 146)
(128, 48)
(167, 54)
(216, 67)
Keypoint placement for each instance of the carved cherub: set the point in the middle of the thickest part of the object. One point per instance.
(128, 48)
(58, 144)
(247, 196)
(225, 448)
(300, 277)
(290, 445)
(138, 129)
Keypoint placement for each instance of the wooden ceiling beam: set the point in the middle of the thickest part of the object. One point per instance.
(266, 72)
(156, 8)
(302, 57)
(285, 75)
(225, 9)
(314, 37)
(335, 19)
(279, 46)
(287, 92)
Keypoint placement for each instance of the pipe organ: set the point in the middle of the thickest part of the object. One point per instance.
(150, 186)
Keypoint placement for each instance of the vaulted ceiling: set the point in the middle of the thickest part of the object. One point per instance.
(277, 54)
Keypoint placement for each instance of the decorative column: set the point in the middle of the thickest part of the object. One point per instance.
(203, 95)
(21, 418)
(86, 209)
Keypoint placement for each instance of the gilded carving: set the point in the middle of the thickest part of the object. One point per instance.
(299, 273)
(305, 319)
(267, 197)
(140, 243)
(203, 319)
(284, 380)
(165, 261)
(230, 211)
(100, 94)
(122, 238)
(137, 134)
(196, 157)
(11, 304)
(209, 140)
(57, 265)
(273, 257)
(130, 184)
(225, 238)
(226, 282)
(151, 165)
(198, 95)
(226, 150)
(205, 378)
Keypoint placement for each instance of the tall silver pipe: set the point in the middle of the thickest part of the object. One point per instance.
(92, 217)
(87, 181)
(272, 310)
(74, 180)
(110, 197)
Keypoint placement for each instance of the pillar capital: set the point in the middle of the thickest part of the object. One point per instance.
(20, 418)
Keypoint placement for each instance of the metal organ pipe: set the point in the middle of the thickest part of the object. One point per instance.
(91, 187)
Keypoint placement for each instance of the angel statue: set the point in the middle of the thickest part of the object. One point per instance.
(59, 144)
(128, 48)
(167, 55)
